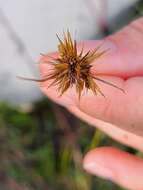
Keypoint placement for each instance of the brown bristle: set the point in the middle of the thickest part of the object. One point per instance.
(73, 68)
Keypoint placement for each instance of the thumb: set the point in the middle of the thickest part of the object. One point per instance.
(118, 166)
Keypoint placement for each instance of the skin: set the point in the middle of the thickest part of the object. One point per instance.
(120, 115)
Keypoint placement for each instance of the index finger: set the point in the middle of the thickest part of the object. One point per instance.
(117, 67)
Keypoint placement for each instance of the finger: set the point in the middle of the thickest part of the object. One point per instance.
(122, 136)
(113, 164)
(113, 131)
(123, 110)
(125, 52)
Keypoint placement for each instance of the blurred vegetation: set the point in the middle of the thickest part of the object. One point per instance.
(138, 9)
(42, 147)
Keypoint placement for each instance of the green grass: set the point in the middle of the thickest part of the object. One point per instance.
(39, 150)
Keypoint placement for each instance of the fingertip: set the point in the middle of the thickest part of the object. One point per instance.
(118, 166)
(94, 163)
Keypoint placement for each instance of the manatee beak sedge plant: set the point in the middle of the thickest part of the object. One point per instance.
(72, 68)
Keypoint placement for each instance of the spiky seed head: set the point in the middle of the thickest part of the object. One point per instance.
(73, 68)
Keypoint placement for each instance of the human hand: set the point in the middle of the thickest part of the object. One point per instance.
(119, 115)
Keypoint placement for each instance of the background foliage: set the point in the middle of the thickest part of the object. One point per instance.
(43, 148)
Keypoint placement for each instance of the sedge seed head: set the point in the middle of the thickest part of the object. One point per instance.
(73, 68)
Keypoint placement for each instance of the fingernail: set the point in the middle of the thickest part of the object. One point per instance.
(96, 169)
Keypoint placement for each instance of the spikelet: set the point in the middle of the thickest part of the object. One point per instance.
(73, 69)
